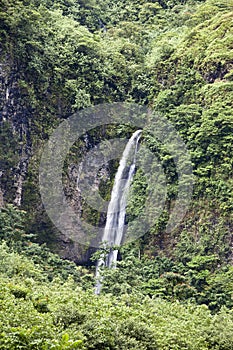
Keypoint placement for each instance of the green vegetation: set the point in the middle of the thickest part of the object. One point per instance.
(49, 303)
(169, 291)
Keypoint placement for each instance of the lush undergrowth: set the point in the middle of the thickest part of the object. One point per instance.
(36, 313)
(49, 303)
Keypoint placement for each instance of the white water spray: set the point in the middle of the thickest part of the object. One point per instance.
(114, 228)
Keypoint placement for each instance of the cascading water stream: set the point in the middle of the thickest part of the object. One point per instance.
(114, 228)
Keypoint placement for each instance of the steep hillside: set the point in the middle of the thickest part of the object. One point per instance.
(173, 56)
(172, 289)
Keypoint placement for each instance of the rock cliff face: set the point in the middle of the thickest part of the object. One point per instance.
(19, 165)
(15, 129)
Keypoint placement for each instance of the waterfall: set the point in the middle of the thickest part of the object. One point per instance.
(114, 228)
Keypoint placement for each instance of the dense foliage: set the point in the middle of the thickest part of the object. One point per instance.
(170, 291)
(38, 314)
(49, 303)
